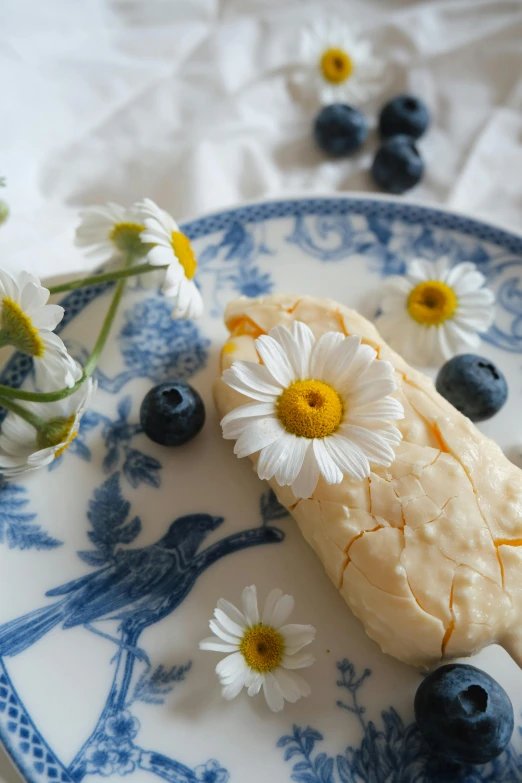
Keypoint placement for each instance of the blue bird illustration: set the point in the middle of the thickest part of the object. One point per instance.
(139, 588)
(134, 588)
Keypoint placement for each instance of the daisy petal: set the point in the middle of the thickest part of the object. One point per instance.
(297, 636)
(233, 425)
(249, 600)
(328, 468)
(297, 349)
(228, 623)
(273, 456)
(282, 610)
(253, 380)
(230, 666)
(218, 630)
(252, 410)
(300, 660)
(255, 684)
(256, 435)
(348, 456)
(233, 689)
(271, 602)
(273, 695)
(211, 643)
(289, 690)
(386, 409)
(375, 448)
(289, 470)
(306, 482)
(275, 359)
(371, 391)
(319, 360)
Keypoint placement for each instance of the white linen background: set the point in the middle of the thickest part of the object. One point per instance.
(191, 102)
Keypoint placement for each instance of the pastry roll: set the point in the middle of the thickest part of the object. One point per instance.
(427, 552)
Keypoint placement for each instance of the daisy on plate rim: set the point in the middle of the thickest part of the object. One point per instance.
(435, 310)
(321, 408)
(341, 62)
(27, 322)
(24, 449)
(170, 246)
(109, 229)
(264, 649)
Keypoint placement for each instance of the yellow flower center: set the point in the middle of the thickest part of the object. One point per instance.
(184, 253)
(336, 66)
(310, 409)
(431, 303)
(59, 430)
(126, 238)
(262, 647)
(17, 329)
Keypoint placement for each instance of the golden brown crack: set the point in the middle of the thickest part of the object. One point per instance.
(452, 623)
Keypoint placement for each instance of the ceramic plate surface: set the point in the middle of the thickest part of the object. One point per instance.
(83, 699)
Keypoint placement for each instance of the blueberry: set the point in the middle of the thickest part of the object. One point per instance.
(172, 413)
(406, 115)
(473, 385)
(464, 714)
(340, 129)
(398, 166)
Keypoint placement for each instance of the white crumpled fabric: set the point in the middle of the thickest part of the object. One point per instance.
(194, 103)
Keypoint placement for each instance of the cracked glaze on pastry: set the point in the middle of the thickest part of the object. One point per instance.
(427, 552)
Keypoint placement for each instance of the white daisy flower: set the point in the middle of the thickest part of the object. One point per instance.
(27, 323)
(24, 448)
(110, 229)
(343, 67)
(172, 248)
(321, 408)
(264, 649)
(435, 311)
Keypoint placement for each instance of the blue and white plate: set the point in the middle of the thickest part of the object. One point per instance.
(85, 699)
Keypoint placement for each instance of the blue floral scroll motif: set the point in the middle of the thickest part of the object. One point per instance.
(330, 238)
(394, 754)
(117, 435)
(233, 263)
(17, 526)
(134, 588)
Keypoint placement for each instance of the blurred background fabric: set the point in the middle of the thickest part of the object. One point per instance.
(193, 103)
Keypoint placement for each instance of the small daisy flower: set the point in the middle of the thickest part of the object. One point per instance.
(24, 449)
(322, 408)
(110, 229)
(172, 248)
(435, 311)
(264, 650)
(27, 323)
(342, 66)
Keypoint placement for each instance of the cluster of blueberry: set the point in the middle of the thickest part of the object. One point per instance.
(340, 130)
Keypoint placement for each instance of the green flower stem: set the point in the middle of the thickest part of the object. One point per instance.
(105, 277)
(37, 422)
(92, 361)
